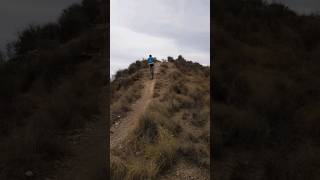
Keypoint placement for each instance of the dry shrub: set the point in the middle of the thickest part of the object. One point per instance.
(175, 75)
(200, 117)
(124, 99)
(118, 169)
(195, 153)
(164, 65)
(179, 87)
(147, 128)
(186, 101)
(155, 136)
(139, 170)
(164, 153)
(205, 137)
(192, 138)
(117, 109)
(162, 70)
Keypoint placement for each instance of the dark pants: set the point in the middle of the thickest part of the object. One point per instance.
(151, 70)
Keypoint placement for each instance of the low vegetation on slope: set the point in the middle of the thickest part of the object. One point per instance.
(52, 84)
(174, 127)
(126, 88)
(266, 91)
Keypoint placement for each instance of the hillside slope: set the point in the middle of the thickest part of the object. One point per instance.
(121, 129)
(164, 122)
(44, 138)
(53, 88)
(266, 91)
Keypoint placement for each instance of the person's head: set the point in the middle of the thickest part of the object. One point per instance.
(150, 55)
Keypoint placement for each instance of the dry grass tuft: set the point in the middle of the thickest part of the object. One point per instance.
(118, 168)
(139, 170)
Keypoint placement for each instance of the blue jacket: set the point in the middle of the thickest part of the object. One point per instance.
(150, 60)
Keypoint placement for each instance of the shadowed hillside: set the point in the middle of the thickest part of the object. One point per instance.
(161, 127)
(266, 92)
(52, 86)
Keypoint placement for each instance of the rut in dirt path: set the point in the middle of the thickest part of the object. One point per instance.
(120, 132)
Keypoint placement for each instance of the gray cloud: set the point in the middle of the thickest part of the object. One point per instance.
(163, 27)
(16, 14)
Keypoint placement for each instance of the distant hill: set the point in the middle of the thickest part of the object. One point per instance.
(266, 91)
(160, 127)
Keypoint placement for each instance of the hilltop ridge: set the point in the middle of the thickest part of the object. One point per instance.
(166, 121)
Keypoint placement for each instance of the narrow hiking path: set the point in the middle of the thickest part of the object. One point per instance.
(120, 130)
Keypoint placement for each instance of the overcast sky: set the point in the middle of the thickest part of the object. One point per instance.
(138, 27)
(161, 28)
(17, 14)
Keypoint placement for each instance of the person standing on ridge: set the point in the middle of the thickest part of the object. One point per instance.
(150, 62)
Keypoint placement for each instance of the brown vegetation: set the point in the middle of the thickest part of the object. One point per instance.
(52, 85)
(161, 138)
(266, 90)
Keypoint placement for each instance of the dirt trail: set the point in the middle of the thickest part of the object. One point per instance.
(121, 130)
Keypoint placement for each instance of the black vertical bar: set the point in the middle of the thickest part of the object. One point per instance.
(211, 93)
(107, 16)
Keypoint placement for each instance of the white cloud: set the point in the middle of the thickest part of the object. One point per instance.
(161, 28)
(128, 46)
